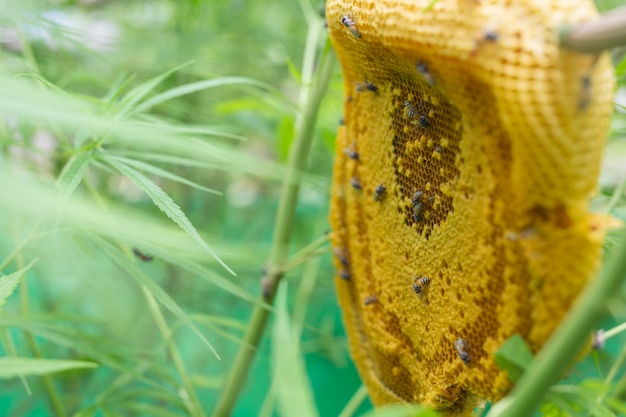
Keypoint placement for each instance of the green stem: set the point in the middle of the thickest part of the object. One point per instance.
(561, 349)
(308, 252)
(191, 402)
(53, 396)
(616, 197)
(606, 32)
(355, 402)
(282, 233)
(614, 331)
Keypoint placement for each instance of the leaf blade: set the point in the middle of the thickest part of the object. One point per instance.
(167, 206)
(14, 367)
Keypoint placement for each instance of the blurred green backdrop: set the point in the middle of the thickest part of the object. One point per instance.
(80, 301)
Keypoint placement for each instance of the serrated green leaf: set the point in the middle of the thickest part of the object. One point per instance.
(294, 394)
(117, 88)
(42, 80)
(143, 89)
(158, 292)
(162, 173)
(514, 357)
(194, 88)
(166, 204)
(73, 173)
(169, 159)
(13, 367)
(103, 350)
(201, 130)
(9, 347)
(8, 283)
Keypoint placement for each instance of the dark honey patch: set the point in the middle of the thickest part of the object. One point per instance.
(424, 153)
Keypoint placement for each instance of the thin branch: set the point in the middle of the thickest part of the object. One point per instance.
(561, 349)
(282, 233)
(608, 31)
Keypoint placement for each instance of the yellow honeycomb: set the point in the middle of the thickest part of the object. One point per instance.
(471, 146)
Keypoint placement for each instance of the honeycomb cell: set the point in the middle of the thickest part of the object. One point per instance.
(488, 139)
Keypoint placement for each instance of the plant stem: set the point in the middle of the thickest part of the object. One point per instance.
(53, 396)
(355, 402)
(282, 233)
(191, 402)
(561, 349)
(606, 32)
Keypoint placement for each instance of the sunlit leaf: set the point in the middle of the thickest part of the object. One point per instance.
(194, 88)
(73, 173)
(294, 393)
(162, 173)
(166, 204)
(8, 283)
(158, 292)
(514, 356)
(139, 92)
(13, 367)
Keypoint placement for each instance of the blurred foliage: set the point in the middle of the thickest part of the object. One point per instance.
(159, 129)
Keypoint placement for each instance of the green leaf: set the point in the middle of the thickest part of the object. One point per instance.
(294, 394)
(158, 292)
(105, 351)
(8, 283)
(13, 367)
(162, 173)
(285, 137)
(166, 204)
(193, 88)
(620, 69)
(514, 357)
(138, 93)
(73, 173)
(617, 405)
(9, 347)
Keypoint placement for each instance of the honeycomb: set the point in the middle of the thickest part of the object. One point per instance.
(462, 178)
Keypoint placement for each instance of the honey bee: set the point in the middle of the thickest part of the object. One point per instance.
(370, 299)
(420, 283)
(487, 35)
(340, 253)
(143, 256)
(266, 289)
(352, 154)
(344, 274)
(418, 206)
(460, 345)
(598, 340)
(412, 112)
(378, 192)
(356, 183)
(585, 94)
(366, 86)
(491, 35)
(422, 68)
(349, 23)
